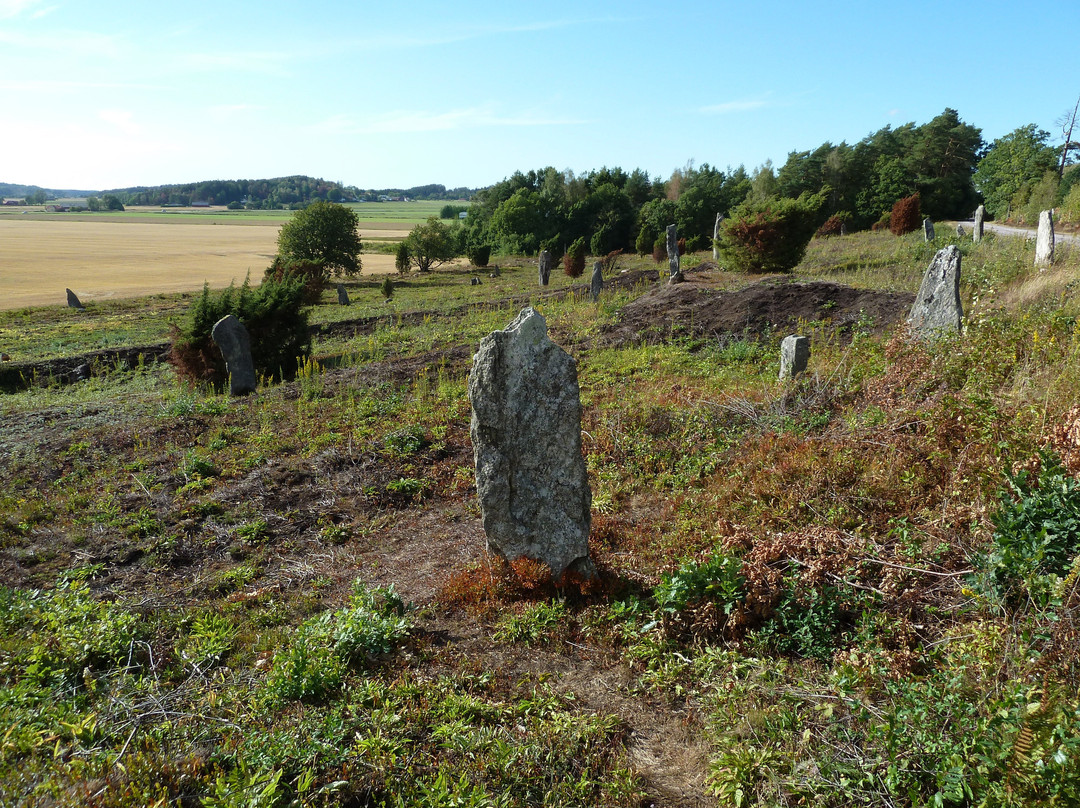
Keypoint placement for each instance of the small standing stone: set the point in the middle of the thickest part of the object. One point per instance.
(73, 300)
(526, 433)
(794, 355)
(928, 229)
(674, 267)
(716, 236)
(474, 281)
(1044, 240)
(342, 295)
(980, 214)
(596, 285)
(232, 338)
(960, 230)
(495, 272)
(937, 306)
(545, 266)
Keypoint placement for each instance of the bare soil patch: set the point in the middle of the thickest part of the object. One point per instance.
(696, 308)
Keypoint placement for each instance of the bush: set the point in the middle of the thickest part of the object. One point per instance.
(431, 244)
(659, 249)
(645, 241)
(451, 211)
(769, 235)
(574, 260)
(273, 315)
(479, 256)
(312, 274)
(882, 223)
(401, 257)
(833, 226)
(906, 216)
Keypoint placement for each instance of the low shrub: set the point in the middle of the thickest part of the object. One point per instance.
(402, 257)
(769, 235)
(313, 274)
(833, 226)
(274, 316)
(659, 249)
(574, 260)
(479, 256)
(906, 216)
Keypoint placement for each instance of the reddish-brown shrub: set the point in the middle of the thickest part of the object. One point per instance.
(659, 250)
(906, 216)
(574, 260)
(682, 246)
(833, 226)
(881, 224)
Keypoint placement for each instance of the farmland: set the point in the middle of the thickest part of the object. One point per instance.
(142, 252)
(859, 587)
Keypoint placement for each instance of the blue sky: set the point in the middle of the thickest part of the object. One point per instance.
(102, 94)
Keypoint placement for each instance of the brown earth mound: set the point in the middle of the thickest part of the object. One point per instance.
(694, 308)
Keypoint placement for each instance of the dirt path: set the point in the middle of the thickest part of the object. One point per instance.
(1013, 230)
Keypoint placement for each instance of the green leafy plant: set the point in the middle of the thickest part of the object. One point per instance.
(210, 638)
(718, 580)
(325, 233)
(769, 235)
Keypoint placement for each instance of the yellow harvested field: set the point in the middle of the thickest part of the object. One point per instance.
(100, 260)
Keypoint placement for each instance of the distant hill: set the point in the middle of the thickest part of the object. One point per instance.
(280, 192)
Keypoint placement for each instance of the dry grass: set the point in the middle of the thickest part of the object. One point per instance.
(110, 259)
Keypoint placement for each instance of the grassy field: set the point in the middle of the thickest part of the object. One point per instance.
(858, 588)
(103, 256)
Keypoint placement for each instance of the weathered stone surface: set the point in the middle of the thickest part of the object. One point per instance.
(980, 214)
(596, 284)
(342, 295)
(960, 230)
(928, 229)
(232, 338)
(73, 300)
(674, 267)
(937, 306)
(526, 434)
(495, 272)
(794, 355)
(716, 235)
(1044, 240)
(545, 266)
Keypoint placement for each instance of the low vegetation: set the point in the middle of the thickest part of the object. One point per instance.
(858, 588)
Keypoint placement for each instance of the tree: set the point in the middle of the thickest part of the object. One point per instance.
(431, 244)
(1014, 163)
(326, 233)
(111, 202)
(401, 257)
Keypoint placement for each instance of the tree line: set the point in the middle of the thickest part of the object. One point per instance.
(945, 161)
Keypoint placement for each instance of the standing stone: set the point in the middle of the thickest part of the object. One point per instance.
(980, 214)
(928, 229)
(674, 268)
(342, 295)
(937, 306)
(526, 434)
(960, 230)
(73, 300)
(716, 236)
(545, 267)
(1044, 240)
(596, 285)
(474, 281)
(232, 338)
(794, 354)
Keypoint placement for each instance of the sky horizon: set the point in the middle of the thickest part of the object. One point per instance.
(117, 94)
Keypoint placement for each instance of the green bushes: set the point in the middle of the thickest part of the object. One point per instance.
(480, 255)
(274, 316)
(769, 235)
(313, 274)
(326, 233)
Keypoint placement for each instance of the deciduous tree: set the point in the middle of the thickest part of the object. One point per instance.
(326, 233)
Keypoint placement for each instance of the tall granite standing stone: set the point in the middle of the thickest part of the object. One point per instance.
(980, 214)
(232, 338)
(937, 306)
(73, 300)
(674, 267)
(596, 285)
(342, 295)
(928, 229)
(794, 356)
(1044, 240)
(526, 434)
(716, 236)
(545, 267)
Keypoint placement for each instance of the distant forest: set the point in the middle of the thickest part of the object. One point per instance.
(271, 194)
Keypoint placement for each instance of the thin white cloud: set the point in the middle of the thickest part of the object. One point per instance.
(13, 8)
(729, 107)
(263, 62)
(406, 121)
